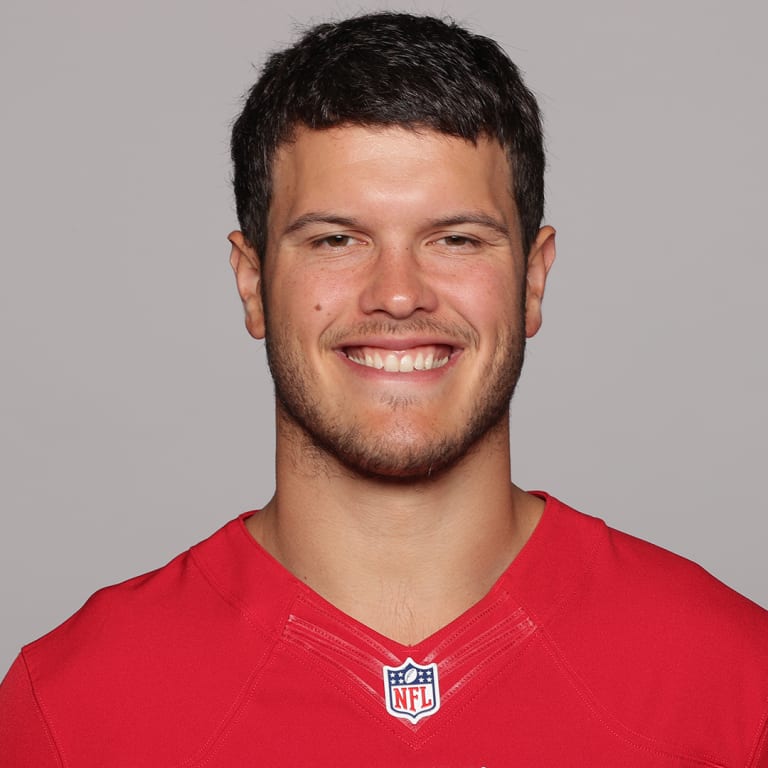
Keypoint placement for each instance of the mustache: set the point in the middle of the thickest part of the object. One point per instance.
(417, 325)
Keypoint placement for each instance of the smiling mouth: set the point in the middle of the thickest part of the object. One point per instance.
(425, 358)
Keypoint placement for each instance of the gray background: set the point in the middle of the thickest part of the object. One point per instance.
(136, 414)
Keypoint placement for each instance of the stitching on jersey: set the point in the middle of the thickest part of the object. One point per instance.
(353, 628)
(506, 633)
(44, 715)
(517, 626)
(203, 754)
(761, 744)
(229, 597)
(452, 715)
(517, 651)
(519, 641)
(326, 651)
(565, 597)
(467, 626)
(245, 696)
(401, 732)
(611, 723)
(364, 633)
(304, 632)
(509, 641)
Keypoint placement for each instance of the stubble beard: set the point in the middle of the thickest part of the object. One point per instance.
(385, 456)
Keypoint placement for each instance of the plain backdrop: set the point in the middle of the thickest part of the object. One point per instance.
(136, 413)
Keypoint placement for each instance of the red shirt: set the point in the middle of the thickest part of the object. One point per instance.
(593, 649)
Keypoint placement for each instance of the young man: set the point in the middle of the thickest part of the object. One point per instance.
(398, 601)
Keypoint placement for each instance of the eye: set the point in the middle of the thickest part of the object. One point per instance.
(335, 241)
(458, 242)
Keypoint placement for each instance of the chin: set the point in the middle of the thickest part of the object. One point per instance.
(412, 466)
(393, 458)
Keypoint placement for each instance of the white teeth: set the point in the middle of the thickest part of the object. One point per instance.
(394, 364)
(391, 363)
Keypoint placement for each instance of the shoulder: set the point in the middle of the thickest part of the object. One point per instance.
(627, 576)
(166, 641)
(150, 609)
(661, 644)
(681, 600)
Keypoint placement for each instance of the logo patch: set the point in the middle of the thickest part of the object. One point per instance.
(411, 690)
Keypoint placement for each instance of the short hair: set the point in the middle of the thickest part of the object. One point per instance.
(388, 69)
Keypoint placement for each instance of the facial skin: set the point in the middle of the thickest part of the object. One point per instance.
(396, 298)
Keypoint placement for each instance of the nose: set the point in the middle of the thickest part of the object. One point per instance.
(398, 285)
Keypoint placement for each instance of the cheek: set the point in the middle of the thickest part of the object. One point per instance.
(324, 291)
(487, 298)
(305, 302)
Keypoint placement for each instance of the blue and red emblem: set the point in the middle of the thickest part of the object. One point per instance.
(411, 690)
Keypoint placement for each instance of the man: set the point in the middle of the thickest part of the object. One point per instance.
(398, 601)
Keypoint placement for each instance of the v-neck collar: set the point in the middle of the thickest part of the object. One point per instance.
(475, 646)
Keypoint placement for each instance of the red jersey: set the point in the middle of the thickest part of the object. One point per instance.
(593, 649)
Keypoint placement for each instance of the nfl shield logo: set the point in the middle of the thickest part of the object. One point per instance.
(411, 690)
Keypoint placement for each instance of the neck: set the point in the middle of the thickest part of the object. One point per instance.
(403, 557)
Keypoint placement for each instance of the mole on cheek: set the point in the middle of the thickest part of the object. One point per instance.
(318, 307)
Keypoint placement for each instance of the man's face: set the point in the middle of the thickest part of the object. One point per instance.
(394, 296)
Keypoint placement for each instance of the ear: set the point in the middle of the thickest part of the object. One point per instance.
(247, 268)
(540, 260)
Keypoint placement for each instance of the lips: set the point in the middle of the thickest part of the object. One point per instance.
(421, 358)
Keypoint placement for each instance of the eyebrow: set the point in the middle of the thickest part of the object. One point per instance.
(472, 217)
(320, 217)
(346, 222)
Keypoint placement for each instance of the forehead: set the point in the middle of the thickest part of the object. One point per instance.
(378, 169)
